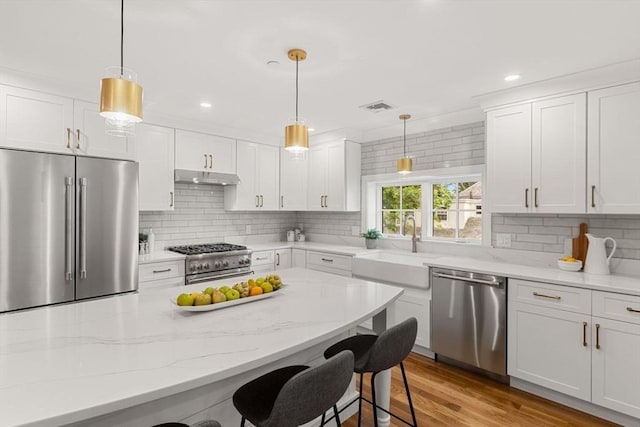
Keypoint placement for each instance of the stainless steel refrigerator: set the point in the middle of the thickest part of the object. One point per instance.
(68, 228)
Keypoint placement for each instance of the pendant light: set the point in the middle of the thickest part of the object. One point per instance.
(296, 135)
(405, 165)
(120, 94)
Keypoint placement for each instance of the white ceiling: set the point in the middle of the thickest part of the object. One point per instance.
(427, 57)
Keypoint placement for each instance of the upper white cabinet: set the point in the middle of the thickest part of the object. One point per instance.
(334, 176)
(536, 155)
(155, 151)
(32, 120)
(614, 150)
(206, 153)
(259, 172)
(293, 182)
(91, 138)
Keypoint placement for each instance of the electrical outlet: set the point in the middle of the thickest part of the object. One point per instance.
(355, 230)
(503, 240)
(247, 229)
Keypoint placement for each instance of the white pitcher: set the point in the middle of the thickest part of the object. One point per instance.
(597, 261)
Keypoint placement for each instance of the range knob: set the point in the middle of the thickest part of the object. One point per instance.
(199, 267)
(242, 261)
(217, 264)
(225, 263)
(206, 266)
(192, 267)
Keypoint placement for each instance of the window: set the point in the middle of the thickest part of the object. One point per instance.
(399, 204)
(446, 208)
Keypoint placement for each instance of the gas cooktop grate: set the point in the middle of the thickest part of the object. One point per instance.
(206, 248)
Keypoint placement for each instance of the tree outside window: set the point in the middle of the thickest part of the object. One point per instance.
(399, 203)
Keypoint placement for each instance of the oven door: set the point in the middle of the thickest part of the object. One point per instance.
(191, 279)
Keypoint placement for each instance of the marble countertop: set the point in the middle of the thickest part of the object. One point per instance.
(160, 256)
(66, 363)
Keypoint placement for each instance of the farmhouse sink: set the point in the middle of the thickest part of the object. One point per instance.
(393, 267)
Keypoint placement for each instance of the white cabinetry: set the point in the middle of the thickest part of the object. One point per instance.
(155, 148)
(32, 120)
(334, 177)
(293, 182)
(161, 274)
(283, 259)
(416, 303)
(258, 170)
(614, 151)
(262, 261)
(536, 154)
(558, 340)
(205, 153)
(298, 258)
(330, 263)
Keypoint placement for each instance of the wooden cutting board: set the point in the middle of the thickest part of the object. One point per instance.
(580, 245)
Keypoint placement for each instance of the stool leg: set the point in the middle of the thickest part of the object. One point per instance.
(337, 414)
(406, 387)
(360, 399)
(373, 399)
(242, 422)
(322, 421)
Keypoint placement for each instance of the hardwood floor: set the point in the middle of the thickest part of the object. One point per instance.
(446, 396)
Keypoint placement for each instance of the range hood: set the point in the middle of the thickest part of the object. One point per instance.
(207, 178)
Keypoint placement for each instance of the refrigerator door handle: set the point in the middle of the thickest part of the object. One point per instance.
(68, 227)
(83, 228)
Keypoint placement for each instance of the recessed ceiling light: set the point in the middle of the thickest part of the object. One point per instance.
(511, 77)
(205, 105)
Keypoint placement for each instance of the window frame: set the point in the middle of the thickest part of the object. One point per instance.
(379, 210)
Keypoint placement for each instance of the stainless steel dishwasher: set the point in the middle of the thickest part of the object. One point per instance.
(469, 319)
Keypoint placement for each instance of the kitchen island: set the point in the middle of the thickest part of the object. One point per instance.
(138, 360)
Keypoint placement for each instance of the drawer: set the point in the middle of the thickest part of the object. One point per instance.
(566, 298)
(616, 306)
(161, 284)
(161, 270)
(262, 258)
(332, 261)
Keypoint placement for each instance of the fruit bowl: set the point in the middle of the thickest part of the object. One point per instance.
(570, 265)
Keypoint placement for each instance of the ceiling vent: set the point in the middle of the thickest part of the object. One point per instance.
(378, 106)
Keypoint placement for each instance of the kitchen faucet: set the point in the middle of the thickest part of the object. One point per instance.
(414, 238)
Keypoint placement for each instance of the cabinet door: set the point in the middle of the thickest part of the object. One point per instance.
(222, 152)
(614, 152)
(90, 138)
(616, 366)
(509, 159)
(317, 178)
(155, 147)
(335, 193)
(245, 192)
(268, 178)
(293, 183)
(299, 258)
(550, 348)
(190, 151)
(283, 259)
(415, 303)
(31, 120)
(559, 149)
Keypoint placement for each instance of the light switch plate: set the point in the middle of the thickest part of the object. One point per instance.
(503, 240)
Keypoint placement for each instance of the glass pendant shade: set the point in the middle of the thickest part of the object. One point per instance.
(120, 101)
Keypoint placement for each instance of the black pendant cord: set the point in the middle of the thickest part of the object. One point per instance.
(404, 147)
(297, 61)
(121, 38)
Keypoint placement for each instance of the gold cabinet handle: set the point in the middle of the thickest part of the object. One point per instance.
(633, 310)
(205, 161)
(78, 142)
(526, 197)
(171, 196)
(68, 137)
(210, 161)
(584, 334)
(535, 197)
(556, 297)
(598, 336)
(326, 204)
(261, 201)
(593, 196)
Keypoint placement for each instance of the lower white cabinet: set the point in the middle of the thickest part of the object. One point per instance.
(283, 259)
(299, 258)
(161, 274)
(155, 153)
(579, 342)
(416, 303)
(262, 261)
(329, 263)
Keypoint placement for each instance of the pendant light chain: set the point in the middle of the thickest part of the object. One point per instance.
(121, 38)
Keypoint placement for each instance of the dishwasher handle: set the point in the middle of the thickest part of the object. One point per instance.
(493, 283)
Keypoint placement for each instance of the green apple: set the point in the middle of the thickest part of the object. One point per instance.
(185, 300)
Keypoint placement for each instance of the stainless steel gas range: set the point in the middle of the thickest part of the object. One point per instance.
(212, 261)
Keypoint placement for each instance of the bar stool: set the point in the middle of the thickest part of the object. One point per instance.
(205, 423)
(374, 354)
(295, 395)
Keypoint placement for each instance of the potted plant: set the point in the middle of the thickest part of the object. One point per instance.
(371, 237)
